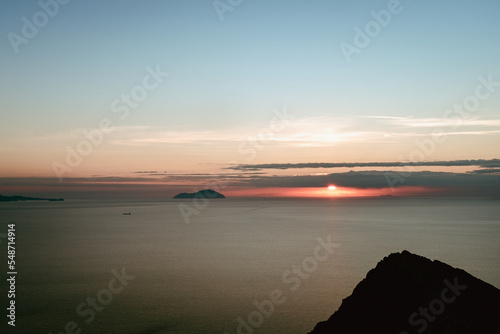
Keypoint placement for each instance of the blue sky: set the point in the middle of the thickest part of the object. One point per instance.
(228, 75)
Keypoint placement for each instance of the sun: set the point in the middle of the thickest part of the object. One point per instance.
(332, 188)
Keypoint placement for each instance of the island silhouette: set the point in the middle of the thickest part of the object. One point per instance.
(23, 198)
(206, 193)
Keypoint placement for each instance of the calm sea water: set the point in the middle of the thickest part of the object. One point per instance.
(201, 277)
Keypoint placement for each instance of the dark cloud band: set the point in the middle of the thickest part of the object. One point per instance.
(480, 163)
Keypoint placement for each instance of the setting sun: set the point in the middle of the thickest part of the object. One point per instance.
(332, 188)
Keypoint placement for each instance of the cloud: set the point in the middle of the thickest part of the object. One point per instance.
(487, 171)
(256, 167)
(202, 178)
(305, 131)
(412, 122)
(491, 163)
(316, 131)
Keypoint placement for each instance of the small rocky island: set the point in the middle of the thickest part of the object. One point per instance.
(206, 193)
(408, 293)
(23, 198)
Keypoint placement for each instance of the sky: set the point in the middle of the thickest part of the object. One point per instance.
(254, 98)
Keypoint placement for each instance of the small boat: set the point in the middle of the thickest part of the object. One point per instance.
(127, 213)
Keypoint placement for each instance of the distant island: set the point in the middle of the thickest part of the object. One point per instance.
(206, 193)
(23, 198)
(408, 293)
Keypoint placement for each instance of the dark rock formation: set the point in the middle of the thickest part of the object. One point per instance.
(206, 193)
(23, 198)
(407, 293)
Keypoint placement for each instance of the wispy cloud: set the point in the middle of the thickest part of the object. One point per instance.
(76, 133)
(318, 131)
(413, 122)
(321, 131)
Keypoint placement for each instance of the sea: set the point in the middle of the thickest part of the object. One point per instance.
(225, 265)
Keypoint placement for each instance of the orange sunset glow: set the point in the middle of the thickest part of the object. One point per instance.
(328, 192)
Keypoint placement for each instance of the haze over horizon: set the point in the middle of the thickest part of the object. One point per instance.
(149, 99)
